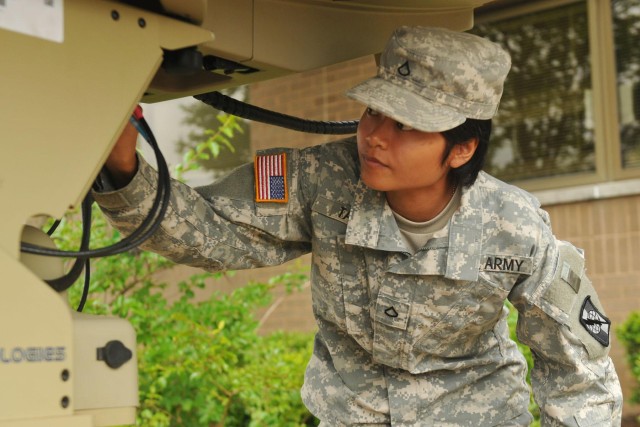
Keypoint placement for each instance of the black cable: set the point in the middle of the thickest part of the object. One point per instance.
(63, 283)
(149, 225)
(251, 112)
(53, 227)
(85, 288)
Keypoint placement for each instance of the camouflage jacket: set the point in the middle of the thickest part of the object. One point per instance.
(405, 340)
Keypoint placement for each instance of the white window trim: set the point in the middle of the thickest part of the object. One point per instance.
(589, 192)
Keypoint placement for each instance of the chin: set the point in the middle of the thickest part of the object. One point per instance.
(373, 184)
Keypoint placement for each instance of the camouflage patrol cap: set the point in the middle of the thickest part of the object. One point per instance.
(433, 79)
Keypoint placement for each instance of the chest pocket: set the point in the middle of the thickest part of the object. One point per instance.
(426, 314)
(456, 319)
(329, 219)
(355, 280)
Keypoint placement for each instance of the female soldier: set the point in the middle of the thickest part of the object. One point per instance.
(414, 251)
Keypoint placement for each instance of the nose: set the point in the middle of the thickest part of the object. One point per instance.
(380, 133)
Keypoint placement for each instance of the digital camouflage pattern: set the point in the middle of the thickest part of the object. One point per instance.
(433, 79)
(405, 340)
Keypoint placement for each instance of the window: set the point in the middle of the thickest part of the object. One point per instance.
(626, 27)
(561, 122)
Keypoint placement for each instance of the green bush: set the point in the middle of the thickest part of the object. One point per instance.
(629, 335)
(204, 363)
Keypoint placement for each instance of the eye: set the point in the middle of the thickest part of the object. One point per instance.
(403, 126)
(372, 112)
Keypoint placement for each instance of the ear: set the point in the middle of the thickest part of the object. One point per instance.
(462, 153)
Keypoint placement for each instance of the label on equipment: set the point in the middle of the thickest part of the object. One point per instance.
(38, 18)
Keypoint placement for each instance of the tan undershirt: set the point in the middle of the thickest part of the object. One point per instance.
(417, 234)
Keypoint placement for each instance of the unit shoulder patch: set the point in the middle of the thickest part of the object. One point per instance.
(596, 324)
(271, 178)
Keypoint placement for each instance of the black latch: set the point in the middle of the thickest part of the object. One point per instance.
(114, 354)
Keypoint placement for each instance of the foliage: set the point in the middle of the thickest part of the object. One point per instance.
(216, 143)
(512, 321)
(629, 335)
(211, 367)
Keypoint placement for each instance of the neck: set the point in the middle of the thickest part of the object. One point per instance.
(420, 205)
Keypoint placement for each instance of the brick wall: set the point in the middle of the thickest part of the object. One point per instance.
(315, 95)
(608, 230)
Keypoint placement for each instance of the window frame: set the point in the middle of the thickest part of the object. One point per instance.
(604, 92)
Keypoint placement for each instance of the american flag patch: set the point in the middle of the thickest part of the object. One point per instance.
(271, 178)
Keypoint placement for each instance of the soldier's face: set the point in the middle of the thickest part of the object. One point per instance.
(394, 157)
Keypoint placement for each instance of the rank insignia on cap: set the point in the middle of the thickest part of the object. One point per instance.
(595, 322)
(271, 178)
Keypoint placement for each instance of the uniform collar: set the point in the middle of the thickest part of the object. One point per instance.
(465, 236)
(372, 225)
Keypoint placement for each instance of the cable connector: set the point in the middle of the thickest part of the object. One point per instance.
(137, 119)
(137, 113)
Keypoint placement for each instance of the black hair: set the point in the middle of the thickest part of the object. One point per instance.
(466, 174)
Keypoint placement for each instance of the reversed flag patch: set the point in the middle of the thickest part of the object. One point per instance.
(595, 322)
(271, 178)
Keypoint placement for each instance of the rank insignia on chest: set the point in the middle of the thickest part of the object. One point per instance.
(271, 178)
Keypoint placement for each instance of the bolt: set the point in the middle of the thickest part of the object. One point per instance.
(64, 402)
(142, 23)
(115, 15)
(65, 375)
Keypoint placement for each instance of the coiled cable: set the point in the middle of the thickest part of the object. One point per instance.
(251, 112)
(148, 226)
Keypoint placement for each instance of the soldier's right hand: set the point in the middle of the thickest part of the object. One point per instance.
(122, 162)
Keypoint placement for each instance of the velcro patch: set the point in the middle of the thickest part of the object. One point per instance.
(507, 264)
(570, 277)
(271, 178)
(598, 325)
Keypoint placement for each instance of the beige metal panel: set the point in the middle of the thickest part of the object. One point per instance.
(300, 36)
(278, 37)
(193, 11)
(76, 421)
(35, 346)
(110, 395)
(64, 103)
(232, 23)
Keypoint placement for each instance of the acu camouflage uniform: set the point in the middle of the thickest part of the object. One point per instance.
(405, 340)
(410, 339)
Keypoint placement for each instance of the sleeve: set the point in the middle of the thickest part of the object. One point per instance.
(216, 227)
(562, 321)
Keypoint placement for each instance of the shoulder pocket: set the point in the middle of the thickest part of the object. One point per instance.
(329, 217)
(332, 209)
(572, 300)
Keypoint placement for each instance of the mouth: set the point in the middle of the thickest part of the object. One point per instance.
(372, 161)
